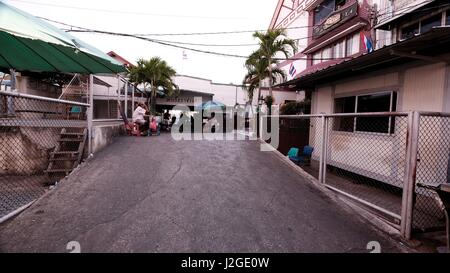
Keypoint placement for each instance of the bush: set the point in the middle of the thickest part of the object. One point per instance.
(294, 108)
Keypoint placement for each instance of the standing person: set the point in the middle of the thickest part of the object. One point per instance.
(166, 120)
(139, 116)
(166, 115)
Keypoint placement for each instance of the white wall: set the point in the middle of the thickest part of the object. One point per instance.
(229, 94)
(382, 156)
(224, 93)
(193, 83)
(296, 29)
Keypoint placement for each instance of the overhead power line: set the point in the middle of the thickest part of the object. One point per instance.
(73, 28)
(133, 12)
(167, 43)
(181, 45)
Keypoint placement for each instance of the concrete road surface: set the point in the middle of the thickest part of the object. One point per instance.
(154, 194)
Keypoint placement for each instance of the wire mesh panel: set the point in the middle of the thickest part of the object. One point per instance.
(30, 130)
(301, 139)
(433, 168)
(365, 159)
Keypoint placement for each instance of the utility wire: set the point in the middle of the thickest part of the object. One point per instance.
(73, 28)
(177, 44)
(86, 30)
(133, 12)
(165, 43)
(80, 29)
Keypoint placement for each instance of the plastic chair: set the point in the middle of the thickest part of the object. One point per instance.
(131, 128)
(301, 159)
(75, 111)
(293, 155)
(306, 155)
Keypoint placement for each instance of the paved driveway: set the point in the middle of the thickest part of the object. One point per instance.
(158, 195)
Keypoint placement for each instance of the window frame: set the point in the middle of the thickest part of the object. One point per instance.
(392, 104)
(353, 37)
(442, 12)
(315, 20)
(317, 59)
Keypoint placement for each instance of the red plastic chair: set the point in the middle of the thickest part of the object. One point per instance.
(132, 128)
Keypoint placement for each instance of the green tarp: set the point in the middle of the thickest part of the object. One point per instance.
(30, 44)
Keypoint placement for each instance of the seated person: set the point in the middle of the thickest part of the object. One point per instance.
(139, 116)
(155, 126)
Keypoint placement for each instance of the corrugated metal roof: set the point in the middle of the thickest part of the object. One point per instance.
(432, 43)
(31, 44)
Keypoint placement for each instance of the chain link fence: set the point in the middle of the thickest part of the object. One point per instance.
(365, 159)
(30, 128)
(433, 169)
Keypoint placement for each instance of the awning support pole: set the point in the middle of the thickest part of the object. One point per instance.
(126, 98)
(118, 95)
(132, 98)
(90, 112)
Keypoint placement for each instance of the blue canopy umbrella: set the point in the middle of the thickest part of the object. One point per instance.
(210, 106)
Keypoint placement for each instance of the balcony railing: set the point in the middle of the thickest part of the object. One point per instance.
(391, 8)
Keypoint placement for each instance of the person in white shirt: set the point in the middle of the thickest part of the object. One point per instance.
(139, 115)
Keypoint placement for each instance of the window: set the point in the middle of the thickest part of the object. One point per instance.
(423, 26)
(323, 10)
(344, 105)
(340, 4)
(447, 19)
(338, 50)
(431, 22)
(352, 45)
(373, 103)
(379, 102)
(316, 57)
(326, 54)
(410, 31)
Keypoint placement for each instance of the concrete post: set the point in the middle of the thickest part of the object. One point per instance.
(10, 109)
(410, 175)
(90, 112)
(12, 73)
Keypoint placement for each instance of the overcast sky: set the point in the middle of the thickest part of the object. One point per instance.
(165, 16)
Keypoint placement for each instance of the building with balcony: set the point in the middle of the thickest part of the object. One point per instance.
(326, 32)
(337, 30)
(402, 19)
(407, 71)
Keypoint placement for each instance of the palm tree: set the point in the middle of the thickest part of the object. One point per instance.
(258, 69)
(156, 74)
(272, 43)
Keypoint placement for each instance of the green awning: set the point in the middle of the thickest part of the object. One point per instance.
(30, 44)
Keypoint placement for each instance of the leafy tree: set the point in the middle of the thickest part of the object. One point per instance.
(156, 74)
(295, 107)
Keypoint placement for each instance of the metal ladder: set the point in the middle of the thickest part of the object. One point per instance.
(67, 155)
